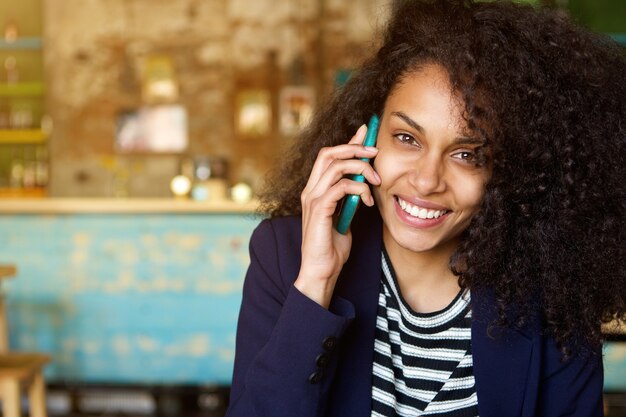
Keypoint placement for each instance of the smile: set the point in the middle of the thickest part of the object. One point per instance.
(420, 212)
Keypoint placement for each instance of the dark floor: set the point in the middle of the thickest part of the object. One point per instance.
(69, 400)
(108, 400)
(615, 404)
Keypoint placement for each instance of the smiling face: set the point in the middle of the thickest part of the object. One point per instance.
(431, 184)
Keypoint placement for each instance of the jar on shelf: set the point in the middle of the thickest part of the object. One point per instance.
(11, 31)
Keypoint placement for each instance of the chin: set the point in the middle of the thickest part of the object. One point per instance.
(414, 242)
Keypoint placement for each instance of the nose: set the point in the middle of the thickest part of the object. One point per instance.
(428, 175)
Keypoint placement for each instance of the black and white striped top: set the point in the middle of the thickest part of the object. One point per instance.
(422, 362)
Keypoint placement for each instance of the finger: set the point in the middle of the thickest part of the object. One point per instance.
(347, 151)
(338, 170)
(359, 136)
(326, 204)
(328, 156)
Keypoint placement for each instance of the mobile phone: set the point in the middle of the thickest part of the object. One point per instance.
(351, 201)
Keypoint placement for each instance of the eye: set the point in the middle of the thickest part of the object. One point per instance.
(406, 139)
(466, 156)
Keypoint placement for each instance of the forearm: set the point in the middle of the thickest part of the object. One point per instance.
(287, 376)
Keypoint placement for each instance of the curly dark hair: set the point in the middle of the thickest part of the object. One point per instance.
(549, 98)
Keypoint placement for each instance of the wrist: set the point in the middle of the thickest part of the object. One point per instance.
(317, 289)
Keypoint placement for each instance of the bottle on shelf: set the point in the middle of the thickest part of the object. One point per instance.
(30, 165)
(41, 166)
(16, 172)
(24, 127)
(21, 115)
(11, 31)
(12, 74)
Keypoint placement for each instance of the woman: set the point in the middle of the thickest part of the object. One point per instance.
(490, 246)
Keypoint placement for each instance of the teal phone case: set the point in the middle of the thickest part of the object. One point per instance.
(351, 201)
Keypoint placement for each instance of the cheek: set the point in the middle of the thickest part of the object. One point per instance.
(384, 169)
(386, 165)
(470, 192)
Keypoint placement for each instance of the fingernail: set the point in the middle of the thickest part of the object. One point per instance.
(371, 149)
(361, 130)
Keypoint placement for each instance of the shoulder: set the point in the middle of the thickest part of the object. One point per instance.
(507, 358)
(532, 334)
(278, 232)
(275, 248)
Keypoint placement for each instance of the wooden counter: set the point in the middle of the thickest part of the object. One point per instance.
(106, 205)
(127, 291)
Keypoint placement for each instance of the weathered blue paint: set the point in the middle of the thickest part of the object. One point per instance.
(140, 298)
(615, 366)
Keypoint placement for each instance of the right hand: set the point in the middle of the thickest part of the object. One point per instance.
(324, 250)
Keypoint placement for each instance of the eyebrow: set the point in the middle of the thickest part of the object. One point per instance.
(408, 121)
(462, 140)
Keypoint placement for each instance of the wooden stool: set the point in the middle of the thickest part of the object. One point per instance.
(22, 370)
(6, 271)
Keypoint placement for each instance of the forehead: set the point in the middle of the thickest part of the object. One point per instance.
(426, 94)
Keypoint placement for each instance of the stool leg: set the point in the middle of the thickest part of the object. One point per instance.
(11, 400)
(37, 396)
(4, 332)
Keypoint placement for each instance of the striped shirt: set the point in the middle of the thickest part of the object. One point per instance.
(422, 362)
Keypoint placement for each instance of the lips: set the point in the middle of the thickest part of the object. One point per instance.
(424, 211)
(420, 212)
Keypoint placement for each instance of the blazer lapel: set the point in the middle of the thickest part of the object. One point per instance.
(360, 284)
(502, 362)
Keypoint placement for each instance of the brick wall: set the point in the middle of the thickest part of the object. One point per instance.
(93, 56)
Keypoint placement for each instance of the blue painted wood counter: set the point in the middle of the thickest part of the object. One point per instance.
(127, 294)
(140, 292)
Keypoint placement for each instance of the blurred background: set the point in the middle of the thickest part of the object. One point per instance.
(134, 136)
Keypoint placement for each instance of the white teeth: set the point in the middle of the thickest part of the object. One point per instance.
(420, 212)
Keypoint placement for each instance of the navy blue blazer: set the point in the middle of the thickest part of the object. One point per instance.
(297, 359)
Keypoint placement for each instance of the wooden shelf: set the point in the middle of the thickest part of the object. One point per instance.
(17, 193)
(21, 89)
(22, 136)
(120, 206)
(33, 43)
